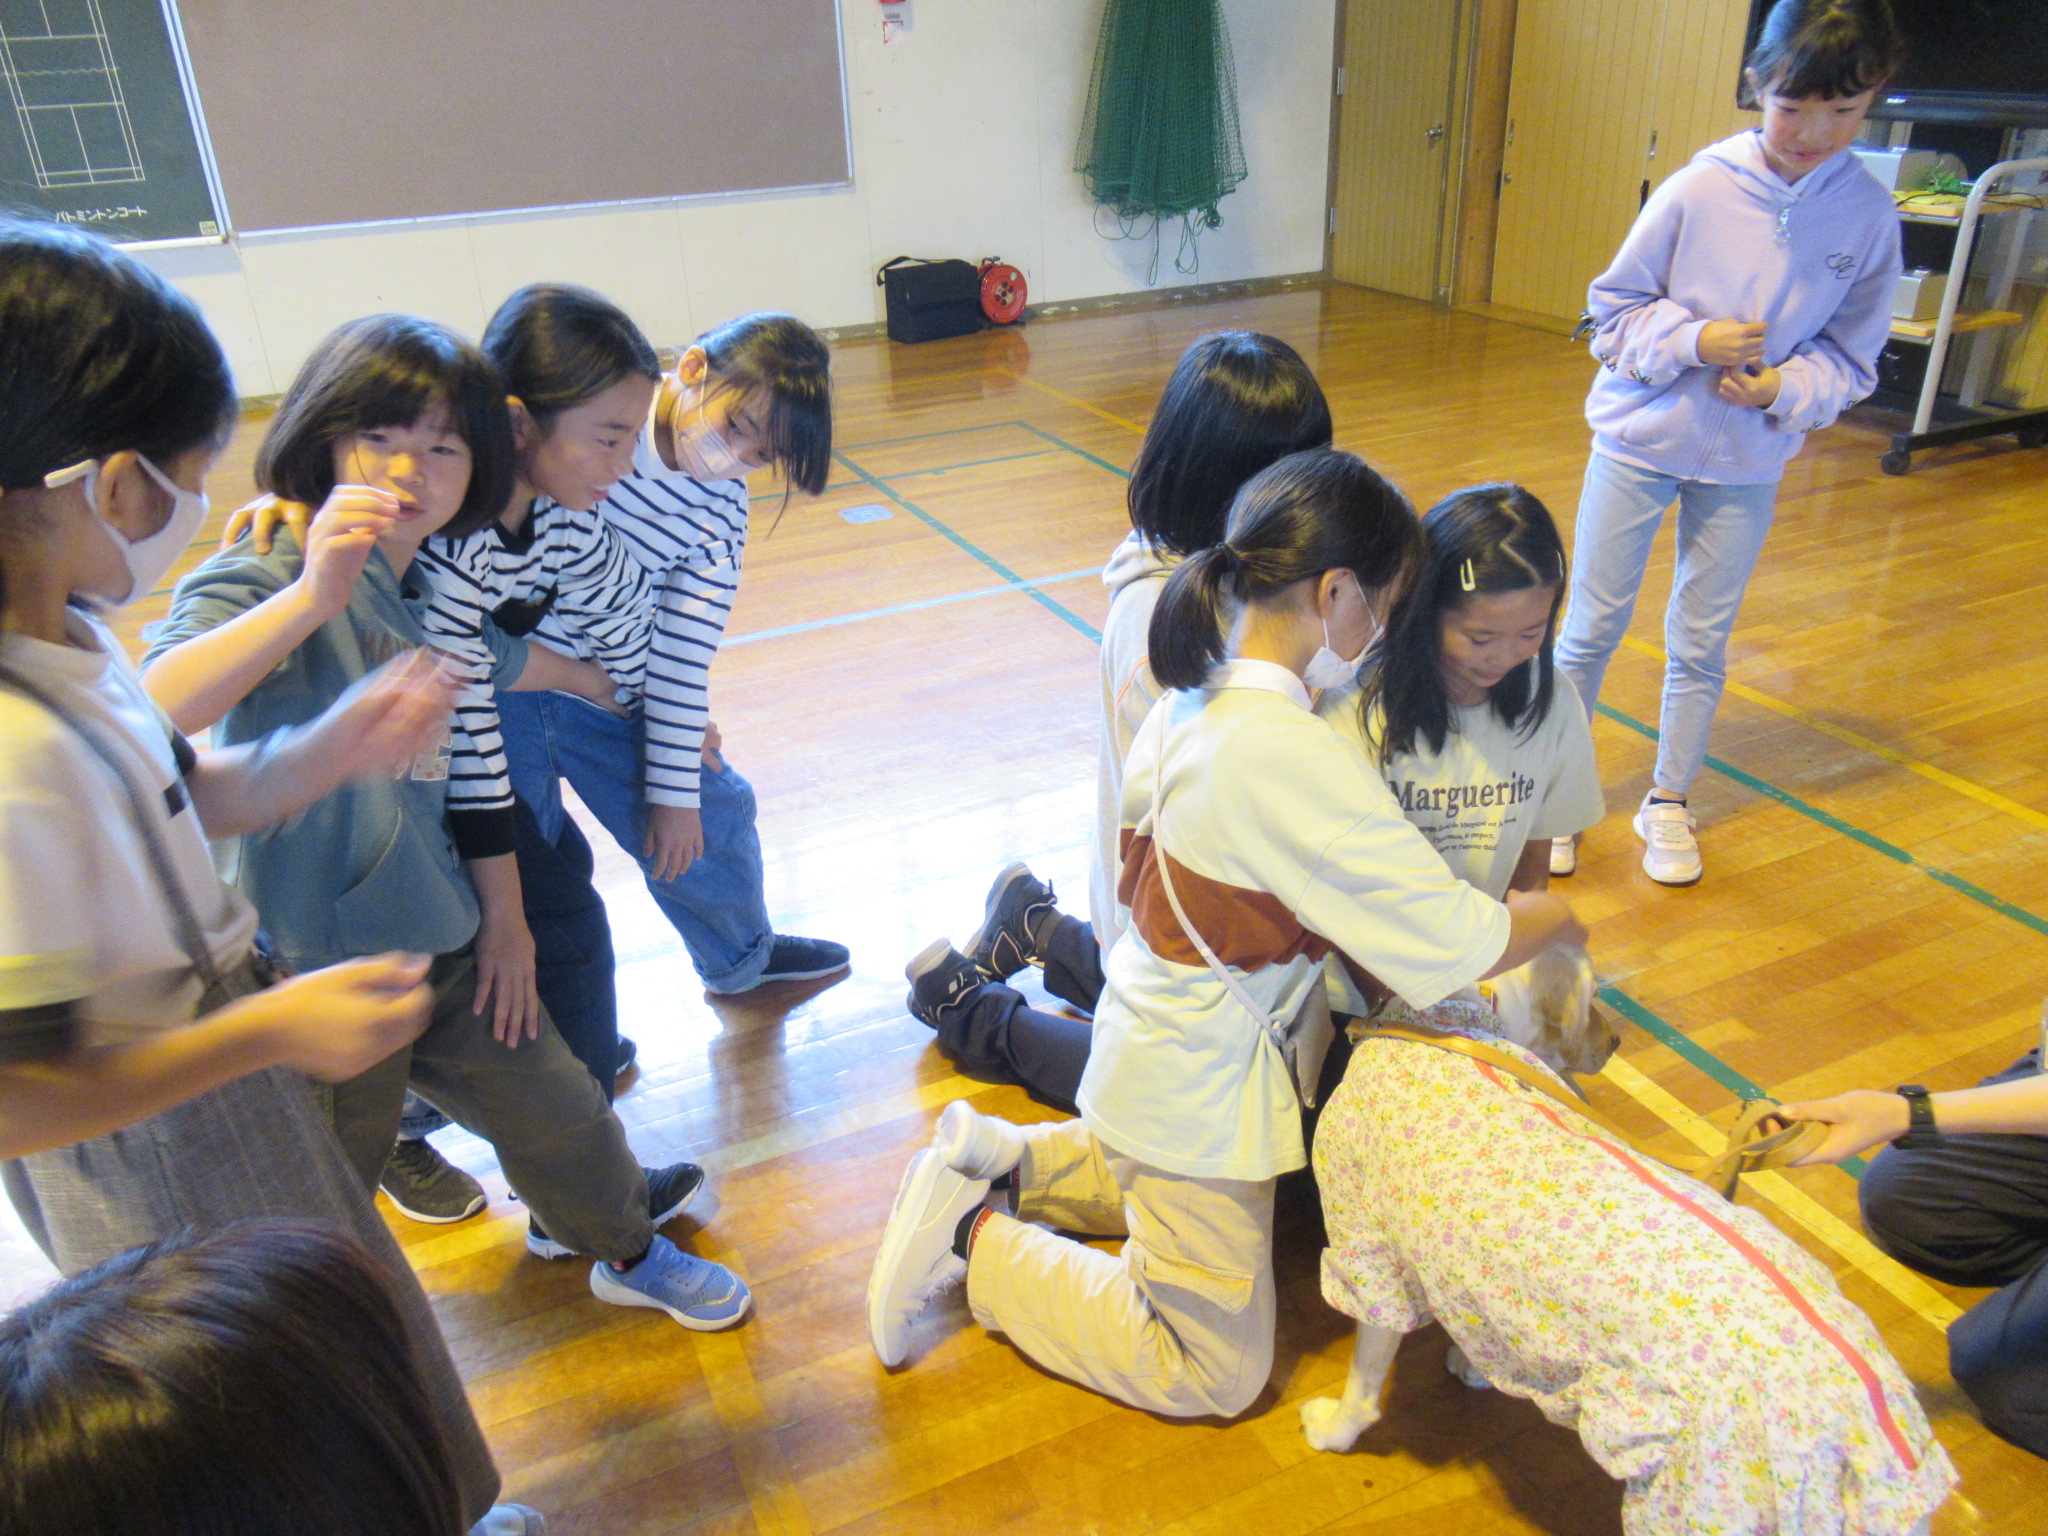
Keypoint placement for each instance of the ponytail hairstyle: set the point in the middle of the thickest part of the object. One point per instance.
(97, 354)
(389, 371)
(1311, 512)
(1821, 48)
(786, 365)
(1489, 538)
(247, 1380)
(559, 345)
(1236, 401)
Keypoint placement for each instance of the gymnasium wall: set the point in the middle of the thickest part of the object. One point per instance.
(963, 142)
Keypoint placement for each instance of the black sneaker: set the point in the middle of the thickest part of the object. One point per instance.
(1003, 945)
(628, 1054)
(426, 1186)
(669, 1193)
(940, 977)
(794, 959)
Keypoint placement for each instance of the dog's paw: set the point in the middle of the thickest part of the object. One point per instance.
(1456, 1362)
(1327, 1427)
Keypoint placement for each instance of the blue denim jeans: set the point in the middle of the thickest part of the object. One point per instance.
(717, 904)
(1721, 531)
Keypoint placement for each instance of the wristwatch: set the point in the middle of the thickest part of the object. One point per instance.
(1921, 1131)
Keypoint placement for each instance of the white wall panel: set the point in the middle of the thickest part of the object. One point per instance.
(963, 136)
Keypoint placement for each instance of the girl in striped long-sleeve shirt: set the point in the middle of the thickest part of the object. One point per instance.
(750, 394)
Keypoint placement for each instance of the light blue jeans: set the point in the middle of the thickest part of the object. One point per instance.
(1721, 531)
(717, 904)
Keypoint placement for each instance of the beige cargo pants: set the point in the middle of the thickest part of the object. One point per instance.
(1180, 1323)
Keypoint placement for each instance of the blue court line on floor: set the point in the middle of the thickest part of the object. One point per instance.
(1833, 823)
(1121, 474)
(1058, 610)
(922, 437)
(1022, 585)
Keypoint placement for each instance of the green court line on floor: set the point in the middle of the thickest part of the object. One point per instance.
(1833, 823)
(1699, 1056)
(1122, 474)
(1059, 610)
(921, 437)
(1690, 1051)
(1025, 584)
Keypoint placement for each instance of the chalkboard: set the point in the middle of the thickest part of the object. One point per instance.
(98, 130)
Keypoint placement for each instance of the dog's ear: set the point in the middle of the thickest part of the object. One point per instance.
(1585, 1040)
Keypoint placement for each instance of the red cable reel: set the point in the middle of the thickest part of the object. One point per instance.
(1002, 291)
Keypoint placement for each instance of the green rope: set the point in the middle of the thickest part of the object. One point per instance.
(1160, 136)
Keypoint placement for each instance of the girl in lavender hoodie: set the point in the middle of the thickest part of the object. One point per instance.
(1745, 309)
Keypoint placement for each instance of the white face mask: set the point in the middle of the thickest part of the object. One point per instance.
(702, 452)
(1327, 670)
(148, 560)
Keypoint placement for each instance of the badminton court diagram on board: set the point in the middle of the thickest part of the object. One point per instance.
(102, 131)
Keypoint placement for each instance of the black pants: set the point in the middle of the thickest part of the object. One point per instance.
(1973, 1210)
(999, 1034)
(572, 942)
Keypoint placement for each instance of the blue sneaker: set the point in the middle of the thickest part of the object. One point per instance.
(695, 1292)
(669, 1192)
(794, 959)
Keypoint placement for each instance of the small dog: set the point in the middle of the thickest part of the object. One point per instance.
(1704, 1358)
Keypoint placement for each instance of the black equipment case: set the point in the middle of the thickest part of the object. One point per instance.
(930, 300)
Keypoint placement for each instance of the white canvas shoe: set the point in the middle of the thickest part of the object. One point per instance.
(1671, 853)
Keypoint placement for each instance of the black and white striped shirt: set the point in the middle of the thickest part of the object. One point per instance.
(572, 564)
(689, 536)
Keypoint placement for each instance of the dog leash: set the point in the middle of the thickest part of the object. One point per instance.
(1758, 1139)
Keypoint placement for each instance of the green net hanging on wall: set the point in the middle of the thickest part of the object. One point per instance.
(1160, 137)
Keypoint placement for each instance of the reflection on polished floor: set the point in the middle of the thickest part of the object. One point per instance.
(913, 697)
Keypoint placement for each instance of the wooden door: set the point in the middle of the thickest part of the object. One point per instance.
(1608, 98)
(1394, 143)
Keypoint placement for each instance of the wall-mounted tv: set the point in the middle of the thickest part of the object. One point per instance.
(1967, 61)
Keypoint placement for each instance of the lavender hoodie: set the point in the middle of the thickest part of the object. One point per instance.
(1728, 239)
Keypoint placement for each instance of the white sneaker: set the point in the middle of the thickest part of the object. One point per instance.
(1671, 854)
(916, 1259)
(978, 1145)
(1564, 855)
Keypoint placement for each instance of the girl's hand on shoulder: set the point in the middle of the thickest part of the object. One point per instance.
(259, 519)
(675, 839)
(1860, 1120)
(1757, 390)
(507, 984)
(389, 718)
(1731, 343)
(339, 542)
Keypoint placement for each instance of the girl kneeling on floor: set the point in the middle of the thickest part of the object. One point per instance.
(1241, 806)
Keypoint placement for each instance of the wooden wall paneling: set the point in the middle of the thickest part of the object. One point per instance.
(1702, 55)
(1579, 112)
(1399, 60)
(1488, 73)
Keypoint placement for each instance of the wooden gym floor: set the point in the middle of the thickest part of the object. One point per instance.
(913, 696)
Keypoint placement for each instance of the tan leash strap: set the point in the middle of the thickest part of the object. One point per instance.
(1758, 1139)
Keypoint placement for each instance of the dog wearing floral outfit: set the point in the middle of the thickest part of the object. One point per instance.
(1703, 1357)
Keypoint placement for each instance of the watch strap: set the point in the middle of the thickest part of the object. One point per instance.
(1921, 1130)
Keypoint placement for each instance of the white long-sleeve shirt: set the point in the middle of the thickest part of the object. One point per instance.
(1285, 846)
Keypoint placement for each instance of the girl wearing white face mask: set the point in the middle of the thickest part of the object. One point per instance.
(148, 1081)
(1250, 815)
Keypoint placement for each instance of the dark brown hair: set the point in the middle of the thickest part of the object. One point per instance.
(1821, 48)
(1311, 512)
(786, 364)
(250, 1381)
(388, 371)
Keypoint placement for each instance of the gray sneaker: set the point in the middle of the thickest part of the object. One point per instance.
(426, 1186)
